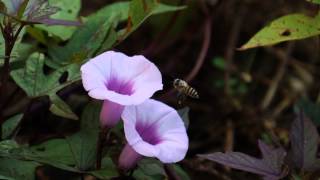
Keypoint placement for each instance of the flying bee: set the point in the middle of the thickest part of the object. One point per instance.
(184, 90)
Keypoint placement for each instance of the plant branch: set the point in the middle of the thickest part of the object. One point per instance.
(277, 78)
(10, 39)
(102, 138)
(230, 50)
(203, 51)
(164, 32)
(172, 175)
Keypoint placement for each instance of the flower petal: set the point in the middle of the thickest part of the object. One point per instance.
(179, 144)
(121, 79)
(168, 127)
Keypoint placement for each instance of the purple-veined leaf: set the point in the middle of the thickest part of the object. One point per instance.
(9, 7)
(68, 11)
(273, 157)
(16, 4)
(51, 22)
(40, 8)
(269, 178)
(37, 12)
(40, 12)
(22, 8)
(304, 142)
(270, 166)
(244, 162)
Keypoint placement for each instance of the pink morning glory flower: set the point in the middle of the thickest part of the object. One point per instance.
(120, 81)
(152, 129)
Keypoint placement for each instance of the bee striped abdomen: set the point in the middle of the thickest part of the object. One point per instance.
(191, 92)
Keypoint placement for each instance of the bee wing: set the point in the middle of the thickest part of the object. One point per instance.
(181, 98)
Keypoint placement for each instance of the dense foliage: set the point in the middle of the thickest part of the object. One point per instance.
(51, 123)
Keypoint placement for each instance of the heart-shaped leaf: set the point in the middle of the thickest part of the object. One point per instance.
(35, 83)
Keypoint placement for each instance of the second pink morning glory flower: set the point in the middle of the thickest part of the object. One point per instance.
(119, 81)
(153, 129)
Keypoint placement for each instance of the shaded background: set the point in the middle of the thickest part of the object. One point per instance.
(244, 95)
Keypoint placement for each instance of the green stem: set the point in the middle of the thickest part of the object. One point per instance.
(100, 146)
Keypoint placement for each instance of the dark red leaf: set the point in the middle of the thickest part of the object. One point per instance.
(274, 158)
(16, 4)
(245, 162)
(304, 142)
(270, 166)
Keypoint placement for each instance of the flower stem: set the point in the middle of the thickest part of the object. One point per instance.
(102, 138)
(10, 39)
(171, 173)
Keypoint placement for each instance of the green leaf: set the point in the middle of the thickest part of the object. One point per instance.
(97, 35)
(90, 118)
(115, 9)
(140, 10)
(3, 7)
(6, 147)
(151, 166)
(296, 177)
(17, 169)
(55, 151)
(69, 10)
(83, 146)
(312, 110)
(35, 83)
(88, 38)
(184, 114)
(219, 63)
(9, 6)
(314, 1)
(108, 170)
(286, 28)
(10, 125)
(100, 33)
(21, 52)
(37, 34)
(60, 108)
(6, 178)
(32, 79)
(149, 169)
(180, 172)
(164, 8)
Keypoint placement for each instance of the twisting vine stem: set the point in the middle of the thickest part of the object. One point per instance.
(10, 37)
